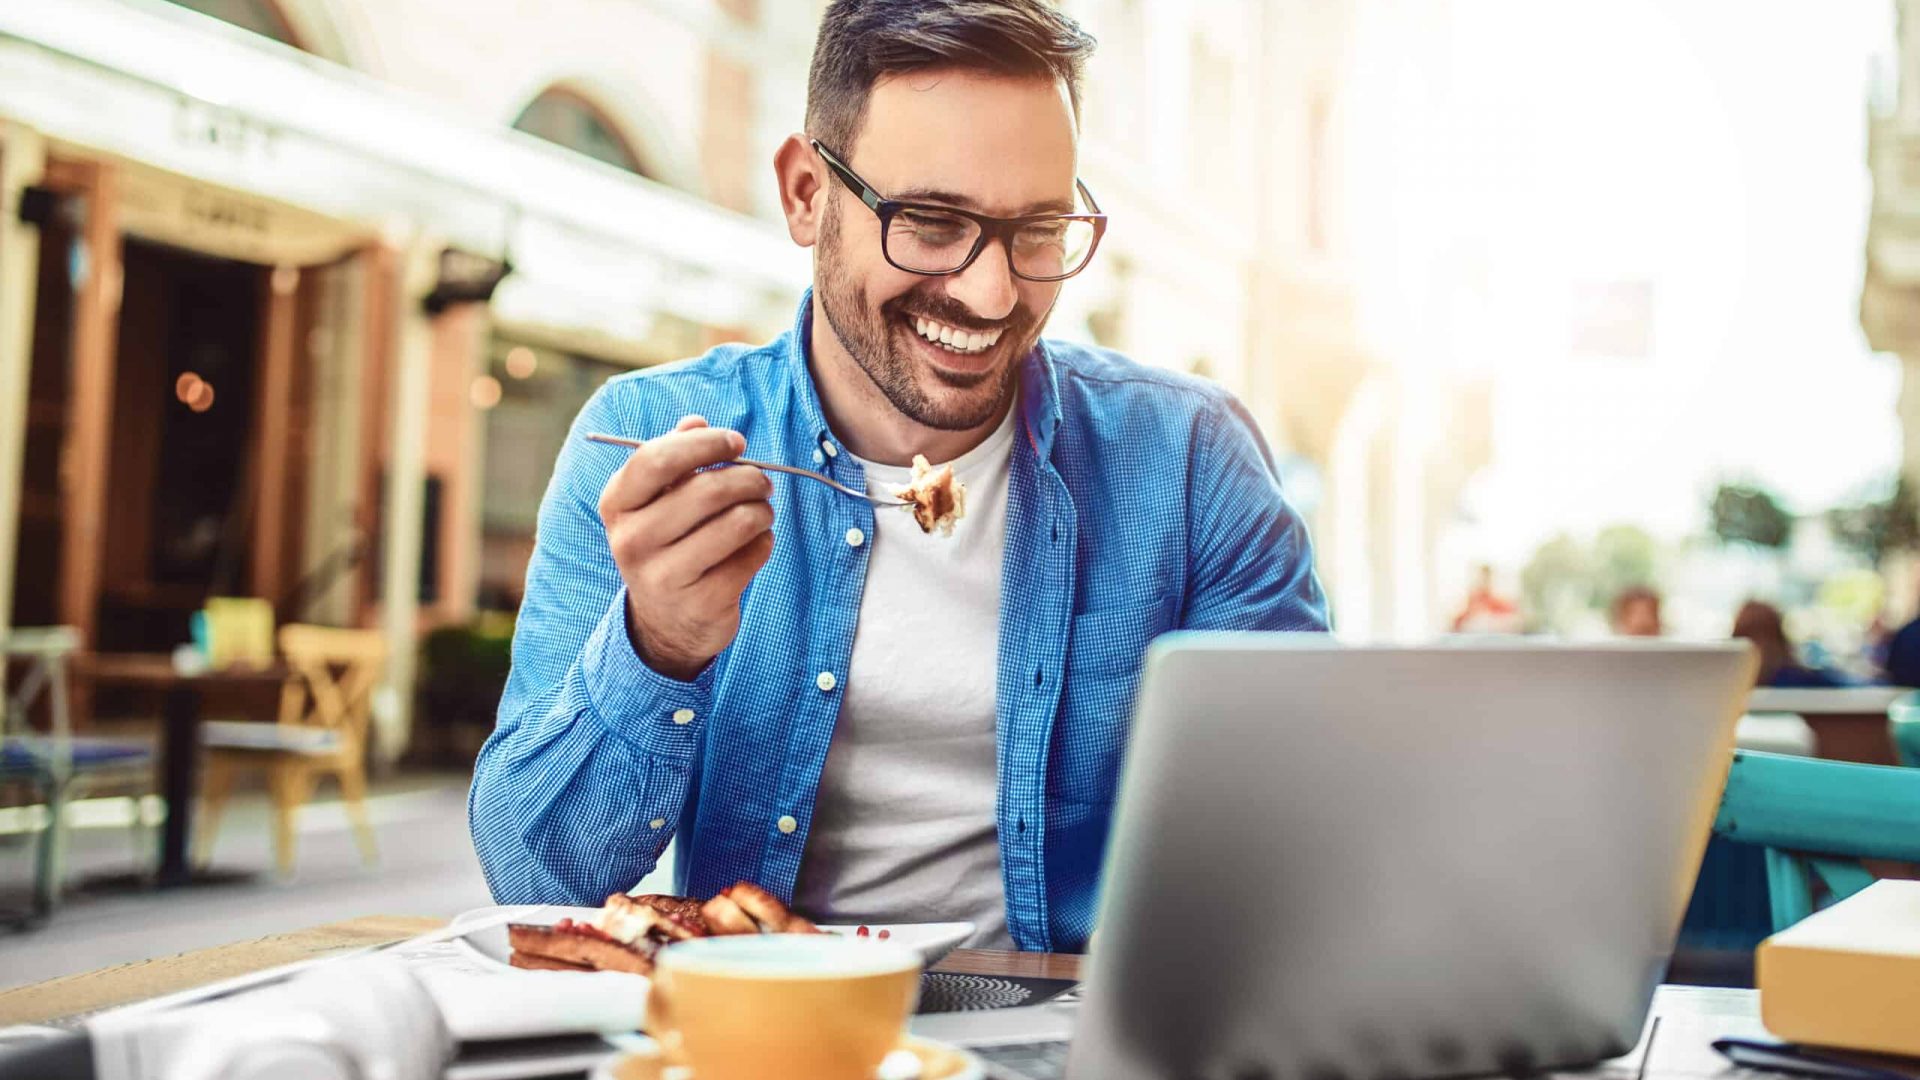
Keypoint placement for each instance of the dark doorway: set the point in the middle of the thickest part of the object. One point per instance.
(179, 504)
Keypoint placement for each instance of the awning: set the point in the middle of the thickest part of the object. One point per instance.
(595, 249)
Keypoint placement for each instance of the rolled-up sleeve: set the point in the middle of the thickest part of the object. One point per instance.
(1252, 559)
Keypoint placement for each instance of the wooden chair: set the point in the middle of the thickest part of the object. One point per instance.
(325, 709)
(1817, 820)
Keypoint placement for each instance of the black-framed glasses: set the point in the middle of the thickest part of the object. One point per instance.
(931, 239)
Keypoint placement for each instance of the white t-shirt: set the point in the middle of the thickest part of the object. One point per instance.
(904, 825)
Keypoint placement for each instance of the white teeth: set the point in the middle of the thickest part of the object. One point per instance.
(958, 340)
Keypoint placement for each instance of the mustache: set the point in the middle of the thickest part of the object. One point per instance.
(945, 309)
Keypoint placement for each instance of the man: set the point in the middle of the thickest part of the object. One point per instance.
(1635, 612)
(805, 690)
(1486, 611)
(1902, 660)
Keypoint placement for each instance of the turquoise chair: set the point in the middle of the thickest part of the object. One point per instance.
(1816, 820)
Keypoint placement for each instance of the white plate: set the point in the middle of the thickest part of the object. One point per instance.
(931, 940)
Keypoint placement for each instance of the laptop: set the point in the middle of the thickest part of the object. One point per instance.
(1334, 862)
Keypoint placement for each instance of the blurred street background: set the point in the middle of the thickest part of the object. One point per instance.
(1542, 307)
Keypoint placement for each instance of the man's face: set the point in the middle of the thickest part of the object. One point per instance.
(991, 144)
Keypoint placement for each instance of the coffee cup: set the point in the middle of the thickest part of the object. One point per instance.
(796, 1006)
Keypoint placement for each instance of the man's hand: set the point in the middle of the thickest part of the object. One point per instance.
(687, 543)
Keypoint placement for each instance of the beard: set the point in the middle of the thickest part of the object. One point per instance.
(876, 338)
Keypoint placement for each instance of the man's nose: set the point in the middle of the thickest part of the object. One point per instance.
(987, 286)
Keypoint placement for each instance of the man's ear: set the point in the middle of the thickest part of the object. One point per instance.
(802, 177)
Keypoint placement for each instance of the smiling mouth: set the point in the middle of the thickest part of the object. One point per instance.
(953, 339)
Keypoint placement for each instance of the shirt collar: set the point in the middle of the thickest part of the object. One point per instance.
(812, 420)
(1040, 412)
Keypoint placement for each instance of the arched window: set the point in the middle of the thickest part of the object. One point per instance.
(564, 118)
(263, 17)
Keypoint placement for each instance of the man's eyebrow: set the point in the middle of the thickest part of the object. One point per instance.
(963, 202)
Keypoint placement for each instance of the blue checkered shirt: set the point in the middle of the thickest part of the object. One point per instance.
(1140, 501)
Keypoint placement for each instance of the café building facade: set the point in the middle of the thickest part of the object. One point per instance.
(256, 308)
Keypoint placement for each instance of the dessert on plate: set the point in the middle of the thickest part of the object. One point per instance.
(630, 930)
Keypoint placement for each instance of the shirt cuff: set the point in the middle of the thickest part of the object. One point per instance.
(660, 715)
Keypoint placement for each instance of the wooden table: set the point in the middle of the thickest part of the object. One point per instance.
(127, 983)
(1690, 1018)
(179, 733)
(1849, 723)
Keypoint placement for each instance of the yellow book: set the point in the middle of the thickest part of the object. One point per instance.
(1849, 976)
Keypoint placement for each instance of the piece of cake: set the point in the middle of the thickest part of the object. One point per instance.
(938, 499)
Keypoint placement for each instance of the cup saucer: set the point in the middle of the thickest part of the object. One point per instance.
(912, 1059)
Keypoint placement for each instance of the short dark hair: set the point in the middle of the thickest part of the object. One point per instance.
(862, 40)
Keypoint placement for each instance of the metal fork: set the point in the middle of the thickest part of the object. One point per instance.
(883, 500)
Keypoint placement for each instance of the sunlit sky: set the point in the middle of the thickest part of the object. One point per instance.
(1713, 148)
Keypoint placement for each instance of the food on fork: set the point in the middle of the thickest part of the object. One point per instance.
(629, 930)
(938, 499)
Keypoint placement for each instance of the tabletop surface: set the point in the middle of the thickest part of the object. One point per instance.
(1825, 699)
(1689, 1018)
(125, 983)
(156, 669)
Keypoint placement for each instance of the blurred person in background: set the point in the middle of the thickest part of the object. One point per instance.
(1901, 658)
(1486, 611)
(1762, 624)
(1635, 612)
(880, 724)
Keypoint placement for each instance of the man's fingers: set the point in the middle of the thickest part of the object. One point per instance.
(663, 462)
(686, 507)
(688, 423)
(684, 562)
(730, 576)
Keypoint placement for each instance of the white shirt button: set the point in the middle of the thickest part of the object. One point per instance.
(855, 538)
(683, 716)
(832, 450)
(658, 822)
(786, 823)
(819, 458)
(826, 681)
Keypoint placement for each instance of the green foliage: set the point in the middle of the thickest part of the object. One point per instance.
(1557, 582)
(456, 655)
(1876, 530)
(1567, 580)
(1743, 514)
(463, 671)
(1623, 556)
